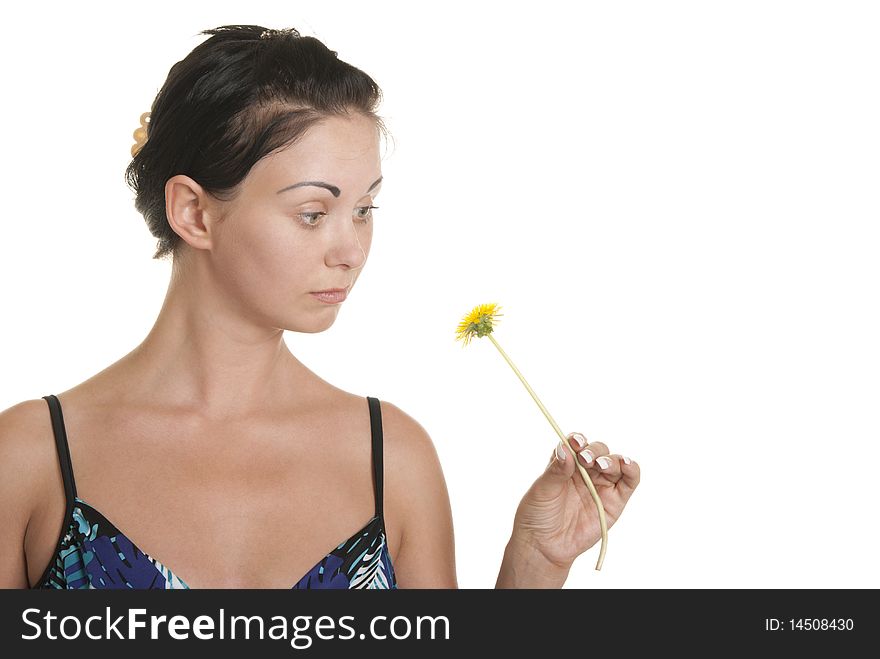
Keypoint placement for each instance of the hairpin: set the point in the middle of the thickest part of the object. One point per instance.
(270, 33)
(140, 134)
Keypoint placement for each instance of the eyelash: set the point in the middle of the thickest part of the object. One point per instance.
(366, 220)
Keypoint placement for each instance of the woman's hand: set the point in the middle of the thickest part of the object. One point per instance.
(557, 516)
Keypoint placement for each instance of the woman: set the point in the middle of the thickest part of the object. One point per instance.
(209, 456)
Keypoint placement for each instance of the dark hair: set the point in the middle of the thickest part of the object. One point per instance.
(238, 96)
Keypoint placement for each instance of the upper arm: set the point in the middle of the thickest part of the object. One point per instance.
(17, 484)
(416, 486)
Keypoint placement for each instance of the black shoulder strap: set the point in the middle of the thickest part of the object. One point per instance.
(63, 449)
(376, 430)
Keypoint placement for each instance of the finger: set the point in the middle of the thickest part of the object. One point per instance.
(587, 451)
(597, 448)
(609, 466)
(580, 442)
(577, 440)
(630, 473)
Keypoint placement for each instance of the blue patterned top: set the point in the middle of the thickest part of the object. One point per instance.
(93, 553)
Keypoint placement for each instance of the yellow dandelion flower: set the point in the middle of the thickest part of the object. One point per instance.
(480, 322)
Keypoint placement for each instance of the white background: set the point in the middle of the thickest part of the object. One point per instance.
(676, 205)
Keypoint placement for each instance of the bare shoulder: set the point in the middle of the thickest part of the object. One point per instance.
(24, 451)
(410, 455)
(405, 438)
(417, 500)
(27, 458)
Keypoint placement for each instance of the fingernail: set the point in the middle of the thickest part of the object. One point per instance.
(580, 439)
(626, 460)
(604, 462)
(587, 456)
(560, 452)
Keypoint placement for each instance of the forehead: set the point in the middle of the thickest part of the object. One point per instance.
(339, 147)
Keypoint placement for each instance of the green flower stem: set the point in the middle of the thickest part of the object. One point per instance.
(584, 475)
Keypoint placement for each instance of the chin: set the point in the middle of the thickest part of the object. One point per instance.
(312, 327)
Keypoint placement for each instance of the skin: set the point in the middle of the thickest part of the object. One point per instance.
(557, 520)
(211, 433)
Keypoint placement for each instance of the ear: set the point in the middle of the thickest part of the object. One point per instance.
(188, 211)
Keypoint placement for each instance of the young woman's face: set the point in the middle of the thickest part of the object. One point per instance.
(301, 223)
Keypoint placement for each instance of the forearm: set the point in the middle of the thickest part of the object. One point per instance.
(525, 567)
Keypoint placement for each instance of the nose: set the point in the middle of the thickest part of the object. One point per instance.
(348, 248)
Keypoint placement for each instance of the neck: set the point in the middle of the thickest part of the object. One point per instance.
(205, 355)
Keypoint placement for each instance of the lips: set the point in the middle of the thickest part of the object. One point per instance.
(331, 297)
(332, 290)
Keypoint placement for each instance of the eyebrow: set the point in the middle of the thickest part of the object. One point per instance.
(321, 184)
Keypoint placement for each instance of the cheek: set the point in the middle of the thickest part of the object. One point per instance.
(366, 239)
(261, 262)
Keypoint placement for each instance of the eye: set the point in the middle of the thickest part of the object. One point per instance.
(365, 213)
(309, 220)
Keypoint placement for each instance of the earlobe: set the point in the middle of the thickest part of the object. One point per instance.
(185, 208)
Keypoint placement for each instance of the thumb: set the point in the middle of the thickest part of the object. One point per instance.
(552, 483)
(561, 467)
